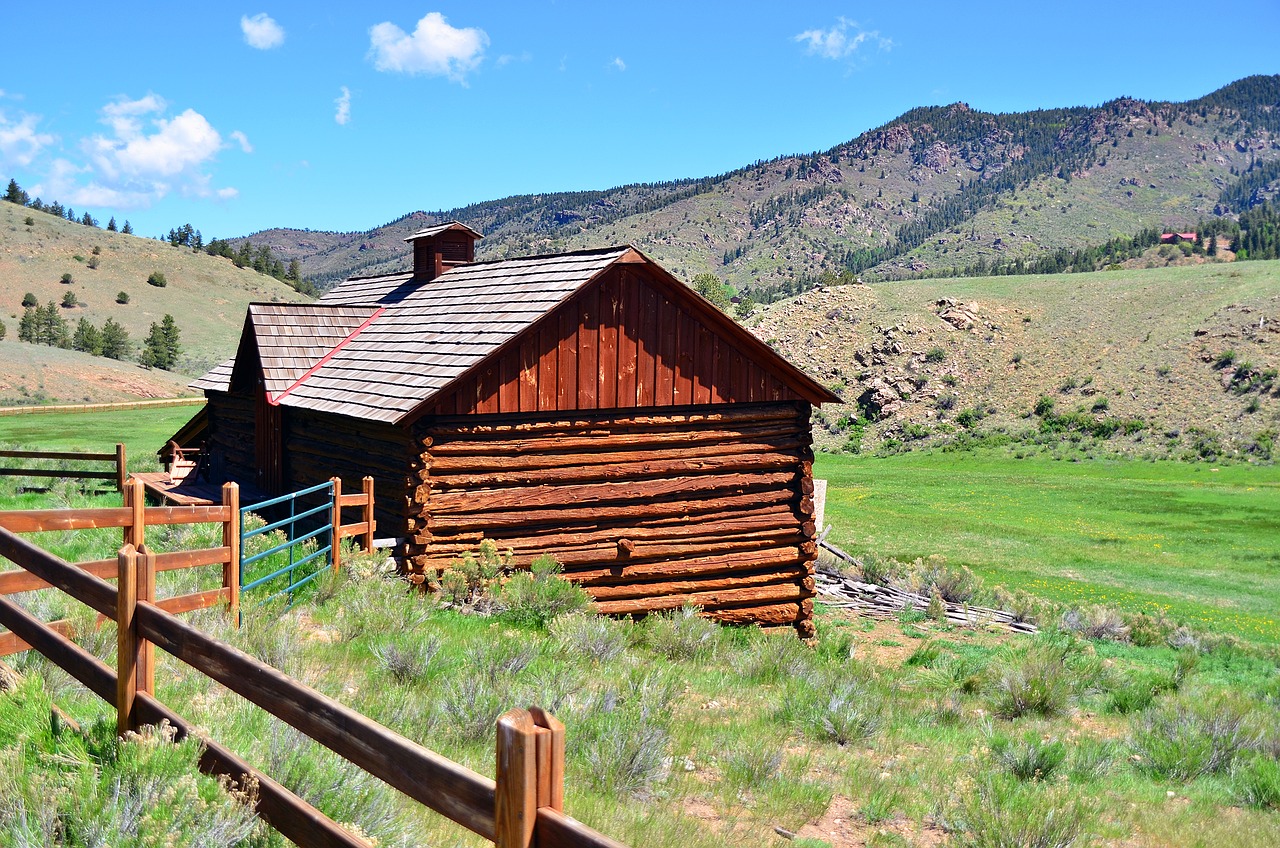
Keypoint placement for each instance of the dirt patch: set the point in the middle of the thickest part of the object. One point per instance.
(842, 826)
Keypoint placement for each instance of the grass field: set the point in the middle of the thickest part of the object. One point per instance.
(143, 431)
(1198, 542)
(682, 734)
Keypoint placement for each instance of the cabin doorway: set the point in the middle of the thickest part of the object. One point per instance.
(269, 444)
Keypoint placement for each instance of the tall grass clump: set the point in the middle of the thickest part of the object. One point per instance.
(1003, 813)
(1194, 735)
(834, 708)
(682, 634)
(592, 637)
(623, 733)
(1032, 682)
(1028, 757)
(1255, 782)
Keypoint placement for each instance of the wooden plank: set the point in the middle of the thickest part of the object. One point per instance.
(346, 531)
(686, 340)
(126, 640)
(548, 350)
(567, 359)
(428, 778)
(146, 672)
(194, 601)
(352, 500)
(509, 381)
(231, 541)
(11, 643)
(646, 345)
(554, 829)
(607, 395)
(58, 649)
(72, 455)
(367, 516)
(550, 758)
(588, 312)
(629, 323)
(704, 366)
(516, 795)
(52, 472)
(751, 595)
(488, 382)
(529, 373)
(668, 329)
(89, 590)
(335, 523)
(121, 467)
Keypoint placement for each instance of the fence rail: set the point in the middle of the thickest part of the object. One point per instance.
(117, 474)
(522, 808)
(133, 518)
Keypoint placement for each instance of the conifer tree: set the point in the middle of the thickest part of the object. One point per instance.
(111, 225)
(115, 342)
(87, 338)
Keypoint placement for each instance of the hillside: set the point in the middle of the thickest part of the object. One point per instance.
(937, 188)
(1184, 357)
(206, 295)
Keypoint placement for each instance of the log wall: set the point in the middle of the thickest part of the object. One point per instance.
(647, 509)
(319, 446)
(232, 440)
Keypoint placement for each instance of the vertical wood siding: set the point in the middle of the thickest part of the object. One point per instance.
(620, 343)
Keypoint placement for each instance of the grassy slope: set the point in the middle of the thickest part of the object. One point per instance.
(207, 295)
(1132, 332)
(1200, 543)
(38, 373)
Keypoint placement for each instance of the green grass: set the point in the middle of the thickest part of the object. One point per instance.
(143, 431)
(1197, 542)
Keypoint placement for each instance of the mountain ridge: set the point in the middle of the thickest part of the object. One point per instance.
(935, 188)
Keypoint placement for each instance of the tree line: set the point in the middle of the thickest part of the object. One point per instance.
(45, 325)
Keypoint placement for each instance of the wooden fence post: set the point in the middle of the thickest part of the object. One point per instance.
(550, 759)
(126, 639)
(515, 797)
(368, 514)
(231, 541)
(146, 591)
(120, 465)
(134, 498)
(335, 536)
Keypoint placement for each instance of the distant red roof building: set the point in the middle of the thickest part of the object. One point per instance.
(1174, 238)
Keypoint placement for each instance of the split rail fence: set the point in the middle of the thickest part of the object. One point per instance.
(522, 808)
(117, 474)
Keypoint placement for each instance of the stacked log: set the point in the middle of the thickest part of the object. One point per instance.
(320, 446)
(231, 436)
(647, 511)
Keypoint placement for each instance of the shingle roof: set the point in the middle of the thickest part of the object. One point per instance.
(293, 338)
(428, 335)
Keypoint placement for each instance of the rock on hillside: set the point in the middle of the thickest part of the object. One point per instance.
(1189, 352)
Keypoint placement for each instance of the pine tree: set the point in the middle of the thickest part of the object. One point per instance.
(87, 338)
(161, 348)
(27, 325)
(127, 229)
(111, 225)
(172, 342)
(50, 328)
(15, 194)
(710, 287)
(115, 341)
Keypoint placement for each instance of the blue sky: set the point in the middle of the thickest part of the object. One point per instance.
(345, 116)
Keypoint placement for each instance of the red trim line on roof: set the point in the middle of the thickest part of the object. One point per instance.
(275, 401)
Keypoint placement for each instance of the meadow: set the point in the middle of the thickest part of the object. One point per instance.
(1195, 541)
(888, 733)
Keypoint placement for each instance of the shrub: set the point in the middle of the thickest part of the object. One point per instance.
(93, 262)
(1035, 682)
(935, 354)
(774, 657)
(999, 813)
(408, 664)
(539, 596)
(122, 297)
(1224, 359)
(746, 766)
(1028, 758)
(69, 300)
(29, 299)
(593, 637)
(1096, 622)
(1137, 694)
(682, 634)
(1255, 782)
(1191, 737)
(945, 401)
(67, 279)
(157, 279)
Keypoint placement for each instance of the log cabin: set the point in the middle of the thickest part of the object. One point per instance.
(587, 405)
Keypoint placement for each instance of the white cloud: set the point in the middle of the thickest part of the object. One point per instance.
(143, 157)
(261, 31)
(20, 143)
(434, 48)
(508, 58)
(342, 113)
(841, 40)
(618, 63)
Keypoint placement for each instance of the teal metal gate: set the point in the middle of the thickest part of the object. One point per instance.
(325, 533)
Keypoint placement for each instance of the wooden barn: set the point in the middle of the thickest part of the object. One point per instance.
(586, 404)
